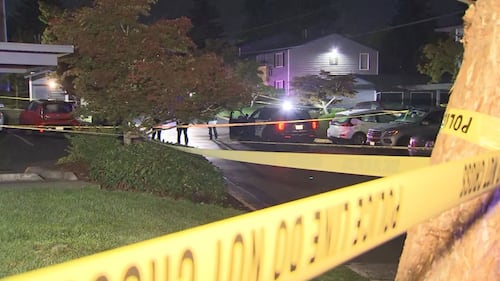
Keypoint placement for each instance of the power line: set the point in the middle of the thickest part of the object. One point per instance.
(385, 29)
(389, 28)
(264, 26)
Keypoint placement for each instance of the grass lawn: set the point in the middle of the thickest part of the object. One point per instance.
(48, 223)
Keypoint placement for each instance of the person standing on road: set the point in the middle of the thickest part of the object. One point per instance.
(212, 130)
(182, 128)
(156, 130)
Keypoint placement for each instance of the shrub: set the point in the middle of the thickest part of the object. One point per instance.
(148, 167)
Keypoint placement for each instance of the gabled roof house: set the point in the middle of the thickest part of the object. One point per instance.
(333, 53)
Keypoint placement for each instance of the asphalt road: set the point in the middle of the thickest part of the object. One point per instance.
(19, 150)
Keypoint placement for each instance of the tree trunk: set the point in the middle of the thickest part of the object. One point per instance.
(463, 243)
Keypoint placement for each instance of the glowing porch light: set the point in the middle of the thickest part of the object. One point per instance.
(52, 84)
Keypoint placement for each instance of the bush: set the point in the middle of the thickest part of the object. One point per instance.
(148, 167)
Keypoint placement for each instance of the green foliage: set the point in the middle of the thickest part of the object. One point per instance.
(52, 222)
(49, 9)
(148, 167)
(88, 148)
(441, 58)
(141, 69)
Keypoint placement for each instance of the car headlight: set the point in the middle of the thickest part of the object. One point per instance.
(391, 133)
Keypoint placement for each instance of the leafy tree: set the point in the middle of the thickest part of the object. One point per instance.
(324, 89)
(441, 58)
(124, 68)
(206, 22)
(49, 9)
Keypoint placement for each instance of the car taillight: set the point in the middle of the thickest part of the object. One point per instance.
(280, 126)
(314, 125)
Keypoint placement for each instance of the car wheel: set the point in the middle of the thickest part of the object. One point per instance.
(404, 141)
(358, 138)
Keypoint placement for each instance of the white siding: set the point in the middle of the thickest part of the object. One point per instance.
(310, 58)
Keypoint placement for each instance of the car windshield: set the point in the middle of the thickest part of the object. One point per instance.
(412, 116)
(58, 108)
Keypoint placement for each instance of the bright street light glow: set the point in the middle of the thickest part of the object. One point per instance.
(334, 52)
(52, 84)
(287, 105)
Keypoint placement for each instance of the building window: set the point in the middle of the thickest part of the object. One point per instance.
(334, 60)
(279, 84)
(279, 59)
(421, 98)
(334, 57)
(364, 61)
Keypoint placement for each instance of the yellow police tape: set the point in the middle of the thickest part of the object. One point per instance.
(293, 241)
(475, 127)
(82, 130)
(370, 165)
(14, 98)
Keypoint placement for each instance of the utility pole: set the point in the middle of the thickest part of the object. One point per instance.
(3, 22)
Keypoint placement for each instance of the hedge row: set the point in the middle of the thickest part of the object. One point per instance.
(148, 167)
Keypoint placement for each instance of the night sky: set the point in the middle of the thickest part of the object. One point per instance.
(356, 16)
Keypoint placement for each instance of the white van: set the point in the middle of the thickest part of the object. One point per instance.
(352, 125)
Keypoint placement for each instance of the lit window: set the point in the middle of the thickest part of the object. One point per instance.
(364, 61)
(279, 84)
(334, 57)
(279, 59)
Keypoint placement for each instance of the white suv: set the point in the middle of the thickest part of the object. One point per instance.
(352, 125)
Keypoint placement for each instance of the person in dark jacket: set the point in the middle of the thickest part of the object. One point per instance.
(182, 128)
(212, 130)
(156, 131)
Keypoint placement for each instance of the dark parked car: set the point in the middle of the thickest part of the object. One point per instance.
(53, 113)
(422, 144)
(416, 122)
(286, 125)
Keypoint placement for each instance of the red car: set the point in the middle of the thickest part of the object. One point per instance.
(52, 113)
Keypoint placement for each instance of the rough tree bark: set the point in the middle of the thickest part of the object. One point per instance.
(464, 243)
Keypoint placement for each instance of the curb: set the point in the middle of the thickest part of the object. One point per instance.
(38, 174)
(52, 174)
(26, 177)
(375, 271)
